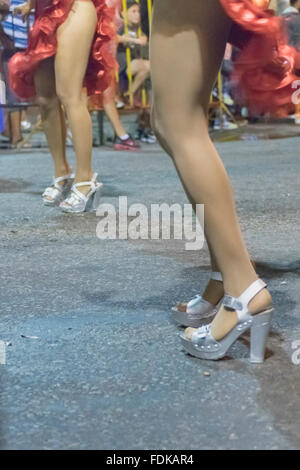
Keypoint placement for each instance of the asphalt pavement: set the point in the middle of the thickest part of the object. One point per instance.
(92, 358)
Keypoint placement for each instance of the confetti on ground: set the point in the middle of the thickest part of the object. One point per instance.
(29, 337)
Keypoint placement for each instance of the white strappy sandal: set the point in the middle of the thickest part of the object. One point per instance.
(55, 194)
(204, 346)
(197, 309)
(78, 202)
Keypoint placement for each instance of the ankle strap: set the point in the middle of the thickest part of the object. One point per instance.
(91, 183)
(216, 276)
(252, 291)
(60, 179)
(240, 304)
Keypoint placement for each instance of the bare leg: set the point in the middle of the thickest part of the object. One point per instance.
(140, 69)
(75, 37)
(214, 290)
(191, 36)
(52, 115)
(15, 127)
(113, 115)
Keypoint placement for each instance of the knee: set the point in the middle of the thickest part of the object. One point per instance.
(47, 102)
(175, 129)
(162, 131)
(143, 67)
(68, 97)
(162, 126)
(146, 67)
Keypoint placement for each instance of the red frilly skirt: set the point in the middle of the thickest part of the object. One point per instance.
(266, 65)
(42, 44)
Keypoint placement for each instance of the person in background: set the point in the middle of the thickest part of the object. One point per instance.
(9, 46)
(140, 64)
(137, 17)
(144, 131)
(292, 17)
(18, 31)
(144, 5)
(123, 141)
(282, 5)
(4, 7)
(1, 121)
(222, 120)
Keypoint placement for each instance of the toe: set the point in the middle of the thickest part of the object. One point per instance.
(189, 333)
(181, 307)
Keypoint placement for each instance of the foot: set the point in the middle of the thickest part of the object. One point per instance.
(226, 320)
(126, 144)
(202, 308)
(213, 293)
(80, 178)
(148, 137)
(16, 142)
(205, 344)
(55, 193)
(84, 196)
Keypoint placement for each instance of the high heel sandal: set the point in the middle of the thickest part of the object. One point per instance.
(55, 194)
(204, 346)
(78, 202)
(198, 309)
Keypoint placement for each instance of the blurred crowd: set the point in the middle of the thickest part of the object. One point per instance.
(133, 79)
(13, 37)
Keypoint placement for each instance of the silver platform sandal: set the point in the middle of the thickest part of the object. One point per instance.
(204, 346)
(198, 309)
(78, 202)
(55, 194)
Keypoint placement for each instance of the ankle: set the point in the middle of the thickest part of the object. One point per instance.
(83, 176)
(237, 284)
(214, 292)
(261, 302)
(62, 171)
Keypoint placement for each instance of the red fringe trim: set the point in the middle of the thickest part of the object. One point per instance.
(264, 70)
(42, 44)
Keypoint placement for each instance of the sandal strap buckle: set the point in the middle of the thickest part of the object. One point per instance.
(232, 303)
(216, 276)
(240, 304)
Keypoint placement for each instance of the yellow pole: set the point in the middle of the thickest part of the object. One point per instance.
(220, 86)
(220, 93)
(222, 106)
(144, 96)
(150, 14)
(128, 53)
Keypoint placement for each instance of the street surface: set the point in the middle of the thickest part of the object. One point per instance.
(92, 358)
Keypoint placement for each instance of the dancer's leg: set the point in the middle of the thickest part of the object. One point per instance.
(75, 37)
(214, 290)
(187, 46)
(52, 115)
(15, 126)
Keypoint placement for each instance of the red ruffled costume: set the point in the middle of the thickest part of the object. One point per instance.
(265, 67)
(42, 43)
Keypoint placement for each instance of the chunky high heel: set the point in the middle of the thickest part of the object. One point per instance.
(197, 309)
(204, 346)
(260, 331)
(78, 202)
(55, 194)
